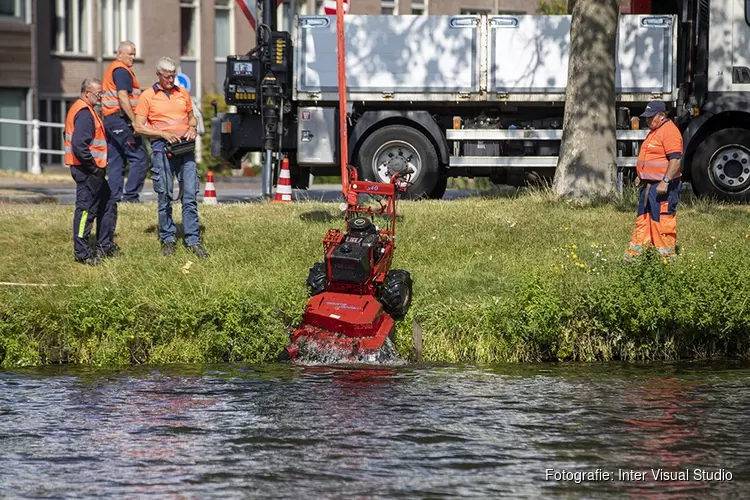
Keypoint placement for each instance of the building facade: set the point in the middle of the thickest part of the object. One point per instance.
(17, 79)
(55, 47)
(79, 38)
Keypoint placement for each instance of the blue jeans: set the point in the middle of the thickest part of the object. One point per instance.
(163, 170)
(121, 146)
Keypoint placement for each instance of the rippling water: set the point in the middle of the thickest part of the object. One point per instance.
(275, 431)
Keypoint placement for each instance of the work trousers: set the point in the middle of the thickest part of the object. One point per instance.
(656, 222)
(123, 145)
(93, 201)
(163, 172)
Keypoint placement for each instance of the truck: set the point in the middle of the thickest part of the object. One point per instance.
(484, 95)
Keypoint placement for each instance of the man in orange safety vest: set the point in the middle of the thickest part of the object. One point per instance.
(86, 155)
(120, 97)
(658, 171)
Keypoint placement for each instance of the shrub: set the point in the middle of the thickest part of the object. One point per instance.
(209, 162)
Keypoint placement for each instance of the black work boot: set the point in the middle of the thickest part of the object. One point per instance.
(91, 260)
(198, 250)
(111, 251)
(167, 248)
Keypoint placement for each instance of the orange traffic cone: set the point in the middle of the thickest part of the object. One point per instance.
(284, 187)
(209, 197)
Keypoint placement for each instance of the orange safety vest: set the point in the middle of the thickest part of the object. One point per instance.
(110, 103)
(98, 146)
(166, 112)
(652, 158)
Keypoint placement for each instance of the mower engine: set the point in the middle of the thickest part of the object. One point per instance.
(355, 297)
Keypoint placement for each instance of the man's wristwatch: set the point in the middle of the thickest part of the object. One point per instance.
(666, 179)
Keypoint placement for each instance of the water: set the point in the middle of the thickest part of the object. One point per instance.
(237, 431)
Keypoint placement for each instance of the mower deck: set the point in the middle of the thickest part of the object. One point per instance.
(354, 326)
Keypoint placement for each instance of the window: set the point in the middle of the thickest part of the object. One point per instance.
(224, 29)
(474, 12)
(747, 11)
(188, 31)
(388, 7)
(223, 39)
(53, 111)
(13, 8)
(120, 22)
(190, 43)
(419, 7)
(72, 26)
(13, 106)
(283, 16)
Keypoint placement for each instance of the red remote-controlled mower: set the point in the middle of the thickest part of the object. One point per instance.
(355, 295)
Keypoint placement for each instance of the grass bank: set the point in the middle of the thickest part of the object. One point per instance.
(506, 279)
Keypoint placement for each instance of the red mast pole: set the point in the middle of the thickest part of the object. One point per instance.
(344, 143)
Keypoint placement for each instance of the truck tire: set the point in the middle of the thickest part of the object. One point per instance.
(317, 279)
(439, 191)
(394, 147)
(721, 166)
(395, 293)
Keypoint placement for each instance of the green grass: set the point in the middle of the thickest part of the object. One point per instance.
(504, 279)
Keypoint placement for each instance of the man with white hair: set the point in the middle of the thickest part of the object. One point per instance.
(165, 115)
(119, 100)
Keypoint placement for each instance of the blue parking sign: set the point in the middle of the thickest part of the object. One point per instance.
(182, 80)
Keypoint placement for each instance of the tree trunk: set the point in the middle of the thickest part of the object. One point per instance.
(586, 167)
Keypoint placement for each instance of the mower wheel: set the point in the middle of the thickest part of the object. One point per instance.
(395, 293)
(317, 279)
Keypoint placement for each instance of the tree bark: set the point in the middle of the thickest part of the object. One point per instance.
(587, 167)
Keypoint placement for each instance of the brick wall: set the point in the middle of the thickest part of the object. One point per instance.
(62, 74)
(15, 57)
(160, 36)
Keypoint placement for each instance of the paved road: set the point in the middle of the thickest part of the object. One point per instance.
(14, 190)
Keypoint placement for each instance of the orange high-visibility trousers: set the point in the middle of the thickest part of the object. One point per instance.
(656, 223)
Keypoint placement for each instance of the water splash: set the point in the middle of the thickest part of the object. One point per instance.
(312, 352)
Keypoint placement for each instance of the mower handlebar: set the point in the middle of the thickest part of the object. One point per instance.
(399, 179)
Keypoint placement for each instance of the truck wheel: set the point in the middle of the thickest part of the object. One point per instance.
(721, 166)
(393, 148)
(395, 293)
(317, 279)
(439, 191)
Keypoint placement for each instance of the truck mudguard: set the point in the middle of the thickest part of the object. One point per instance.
(421, 120)
(716, 103)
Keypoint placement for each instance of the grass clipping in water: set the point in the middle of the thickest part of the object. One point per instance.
(496, 279)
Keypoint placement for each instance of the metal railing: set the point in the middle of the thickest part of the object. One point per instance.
(34, 161)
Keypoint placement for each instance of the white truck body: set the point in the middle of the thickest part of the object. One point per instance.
(473, 58)
(484, 95)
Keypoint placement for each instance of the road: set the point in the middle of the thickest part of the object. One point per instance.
(231, 190)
